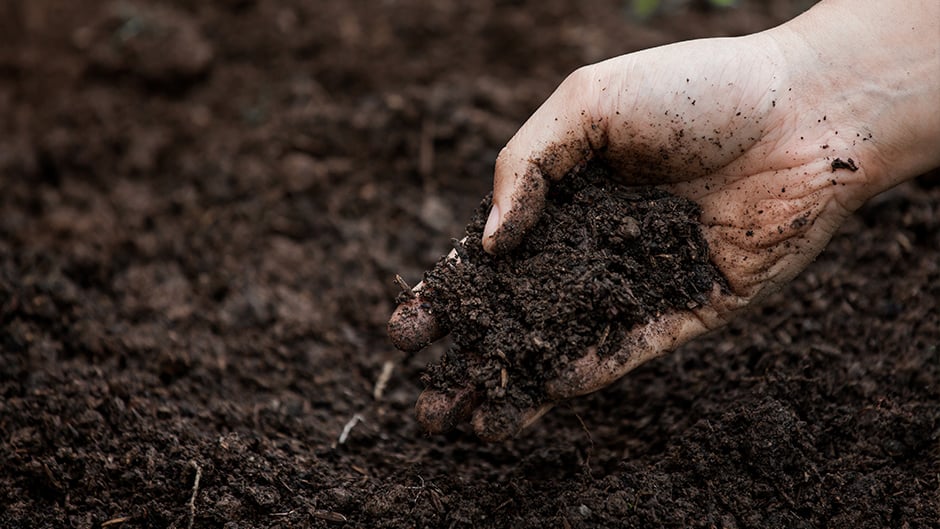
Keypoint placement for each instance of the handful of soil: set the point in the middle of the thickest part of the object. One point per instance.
(602, 259)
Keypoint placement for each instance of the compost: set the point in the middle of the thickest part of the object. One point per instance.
(204, 206)
(603, 258)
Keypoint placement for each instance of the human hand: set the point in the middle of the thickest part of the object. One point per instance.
(775, 148)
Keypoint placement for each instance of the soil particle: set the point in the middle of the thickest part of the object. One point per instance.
(601, 259)
(849, 164)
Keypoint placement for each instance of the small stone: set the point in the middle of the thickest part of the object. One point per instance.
(629, 228)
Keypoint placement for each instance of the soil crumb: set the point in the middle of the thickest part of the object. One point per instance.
(602, 258)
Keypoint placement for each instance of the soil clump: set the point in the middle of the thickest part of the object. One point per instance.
(602, 258)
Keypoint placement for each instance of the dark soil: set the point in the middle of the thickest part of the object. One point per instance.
(197, 256)
(602, 258)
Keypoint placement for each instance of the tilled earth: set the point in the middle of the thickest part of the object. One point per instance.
(204, 205)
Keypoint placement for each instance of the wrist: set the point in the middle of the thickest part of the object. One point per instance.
(871, 71)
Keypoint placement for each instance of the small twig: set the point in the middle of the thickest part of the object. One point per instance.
(418, 487)
(502, 356)
(405, 289)
(587, 459)
(329, 516)
(585, 428)
(501, 505)
(603, 339)
(115, 521)
(462, 255)
(192, 499)
(356, 419)
(383, 379)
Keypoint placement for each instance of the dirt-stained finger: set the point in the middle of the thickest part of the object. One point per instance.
(563, 133)
(592, 372)
(512, 217)
(413, 326)
(494, 422)
(440, 412)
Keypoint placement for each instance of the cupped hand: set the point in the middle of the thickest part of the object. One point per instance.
(774, 156)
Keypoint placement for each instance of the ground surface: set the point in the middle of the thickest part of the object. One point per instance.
(202, 210)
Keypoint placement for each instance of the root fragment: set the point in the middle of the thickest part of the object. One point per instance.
(192, 499)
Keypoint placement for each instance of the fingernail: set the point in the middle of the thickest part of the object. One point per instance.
(492, 222)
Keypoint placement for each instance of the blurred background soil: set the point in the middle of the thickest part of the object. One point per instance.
(202, 208)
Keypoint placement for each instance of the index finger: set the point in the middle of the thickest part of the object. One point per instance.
(413, 326)
(563, 133)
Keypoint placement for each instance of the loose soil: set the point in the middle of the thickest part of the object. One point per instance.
(602, 258)
(197, 254)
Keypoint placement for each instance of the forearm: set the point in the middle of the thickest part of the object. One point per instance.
(875, 67)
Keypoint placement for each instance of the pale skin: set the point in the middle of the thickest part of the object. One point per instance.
(758, 130)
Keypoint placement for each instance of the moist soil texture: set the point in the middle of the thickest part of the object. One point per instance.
(204, 206)
(602, 258)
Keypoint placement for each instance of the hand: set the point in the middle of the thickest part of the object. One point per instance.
(776, 147)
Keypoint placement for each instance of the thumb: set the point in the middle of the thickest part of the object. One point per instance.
(563, 133)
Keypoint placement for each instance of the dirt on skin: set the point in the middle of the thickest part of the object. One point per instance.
(196, 273)
(602, 258)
